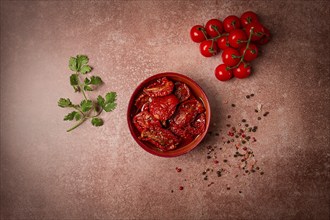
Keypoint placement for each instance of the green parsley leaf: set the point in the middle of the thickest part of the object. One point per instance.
(108, 107)
(110, 97)
(73, 64)
(88, 88)
(64, 103)
(96, 80)
(86, 105)
(100, 101)
(82, 60)
(70, 116)
(97, 122)
(85, 69)
(77, 116)
(87, 81)
(74, 80)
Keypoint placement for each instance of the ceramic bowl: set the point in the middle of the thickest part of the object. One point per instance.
(196, 90)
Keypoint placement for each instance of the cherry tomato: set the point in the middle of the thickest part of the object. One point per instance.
(264, 39)
(182, 91)
(223, 73)
(242, 71)
(248, 17)
(214, 27)
(258, 31)
(198, 33)
(208, 48)
(251, 52)
(161, 87)
(230, 57)
(237, 38)
(145, 120)
(160, 137)
(223, 42)
(162, 108)
(231, 23)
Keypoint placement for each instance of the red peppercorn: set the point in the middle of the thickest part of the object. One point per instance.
(178, 169)
(216, 161)
(181, 188)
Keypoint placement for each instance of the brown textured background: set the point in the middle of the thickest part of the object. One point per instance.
(101, 173)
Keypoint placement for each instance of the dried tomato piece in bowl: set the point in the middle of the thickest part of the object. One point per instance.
(198, 125)
(186, 112)
(162, 87)
(145, 120)
(182, 91)
(160, 137)
(162, 108)
(141, 100)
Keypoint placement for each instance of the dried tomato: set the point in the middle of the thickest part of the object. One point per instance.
(162, 87)
(182, 132)
(145, 107)
(182, 91)
(198, 125)
(162, 108)
(141, 100)
(187, 111)
(160, 137)
(145, 120)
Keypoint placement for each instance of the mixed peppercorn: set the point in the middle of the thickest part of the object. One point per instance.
(239, 136)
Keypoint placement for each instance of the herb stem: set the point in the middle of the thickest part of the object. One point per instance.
(95, 115)
(81, 112)
(81, 86)
(78, 124)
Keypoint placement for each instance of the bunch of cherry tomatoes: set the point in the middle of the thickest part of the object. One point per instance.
(238, 38)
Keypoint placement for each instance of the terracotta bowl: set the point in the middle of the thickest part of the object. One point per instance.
(131, 111)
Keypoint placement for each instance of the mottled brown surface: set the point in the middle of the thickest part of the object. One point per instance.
(101, 173)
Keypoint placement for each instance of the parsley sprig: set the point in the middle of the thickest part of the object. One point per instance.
(87, 109)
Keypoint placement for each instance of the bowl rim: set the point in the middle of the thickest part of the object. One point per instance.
(131, 104)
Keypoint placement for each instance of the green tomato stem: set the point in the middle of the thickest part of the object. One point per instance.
(247, 46)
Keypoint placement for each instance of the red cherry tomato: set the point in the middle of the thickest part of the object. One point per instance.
(237, 38)
(214, 27)
(223, 73)
(242, 71)
(198, 33)
(251, 52)
(230, 57)
(162, 108)
(208, 48)
(248, 17)
(258, 31)
(231, 23)
(264, 39)
(161, 87)
(223, 42)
